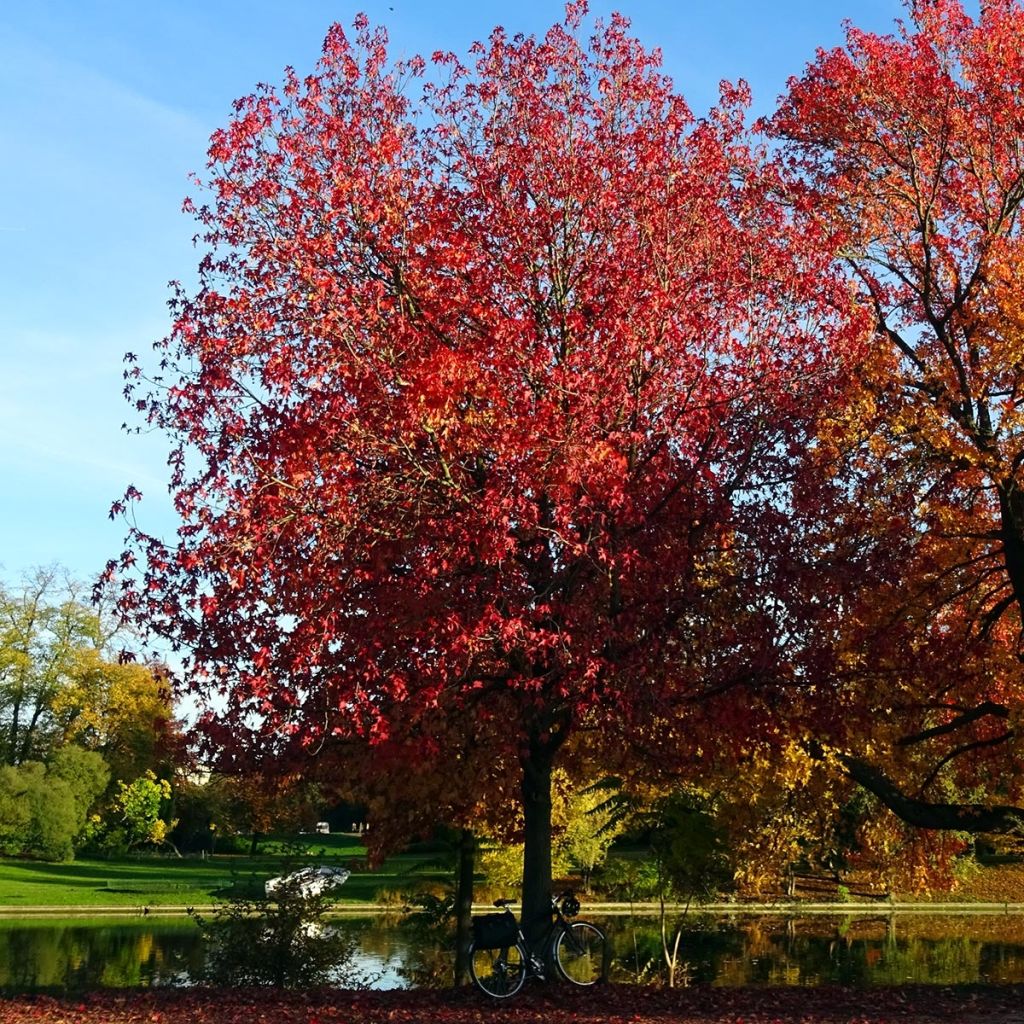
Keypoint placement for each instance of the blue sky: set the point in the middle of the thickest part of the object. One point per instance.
(104, 109)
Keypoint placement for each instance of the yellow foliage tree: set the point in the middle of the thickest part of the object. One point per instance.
(123, 711)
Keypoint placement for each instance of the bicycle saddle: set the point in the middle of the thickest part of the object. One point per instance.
(503, 903)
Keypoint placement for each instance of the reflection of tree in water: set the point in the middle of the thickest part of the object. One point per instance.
(768, 951)
(430, 959)
(77, 957)
(824, 953)
(708, 950)
(1001, 964)
(383, 949)
(815, 951)
(952, 961)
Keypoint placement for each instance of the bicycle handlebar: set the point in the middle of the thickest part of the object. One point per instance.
(555, 900)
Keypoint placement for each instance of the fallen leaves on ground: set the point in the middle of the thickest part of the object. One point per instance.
(612, 1004)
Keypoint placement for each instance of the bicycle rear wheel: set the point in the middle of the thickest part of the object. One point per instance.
(580, 952)
(498, 973)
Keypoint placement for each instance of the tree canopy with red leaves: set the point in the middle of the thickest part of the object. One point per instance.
(487, 399)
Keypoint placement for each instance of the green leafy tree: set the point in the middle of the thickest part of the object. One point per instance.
(122, 711)
(41, 813)
(138, 806)
(86, 775)
(203, 813)
(15, 810)
(134, 817)
(72, 720)
(691, 856)
(61, 682)
(84, 771)
(590, 827)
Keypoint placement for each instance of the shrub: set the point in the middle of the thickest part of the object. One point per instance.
(284, 941)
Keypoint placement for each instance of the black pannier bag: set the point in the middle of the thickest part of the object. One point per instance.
(494, 931)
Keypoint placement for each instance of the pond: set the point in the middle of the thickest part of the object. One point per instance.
(76, 956)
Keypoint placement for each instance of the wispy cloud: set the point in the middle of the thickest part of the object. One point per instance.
(41, 77)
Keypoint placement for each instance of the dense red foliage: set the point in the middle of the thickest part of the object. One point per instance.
(486, 403)
(475, 388)
(609, 1005)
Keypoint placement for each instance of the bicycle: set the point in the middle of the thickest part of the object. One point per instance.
(501, 959)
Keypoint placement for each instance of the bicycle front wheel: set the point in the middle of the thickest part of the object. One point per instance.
(580, 953)
(498, 973)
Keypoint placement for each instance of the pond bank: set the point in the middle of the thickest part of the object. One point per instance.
(783, 907)
(610, 1004)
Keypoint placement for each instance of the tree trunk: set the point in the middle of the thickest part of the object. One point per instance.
(464, 905)
(1011, 514)
(536, 790)
(30, 732)
(671, 954)
(12, 745)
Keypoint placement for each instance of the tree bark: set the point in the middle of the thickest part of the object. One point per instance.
(30, 732)
(1011, 509)
(464, 905)
(12, 746)
(974, 818)
(536, 791)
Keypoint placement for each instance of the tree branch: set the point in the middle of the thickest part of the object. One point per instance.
(981, 711)
(974, 818)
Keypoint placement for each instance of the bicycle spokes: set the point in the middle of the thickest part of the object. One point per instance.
(498, 972)
(579, 953)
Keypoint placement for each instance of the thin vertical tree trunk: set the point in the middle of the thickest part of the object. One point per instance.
(12, 745)
(671, 955)
(464, 905)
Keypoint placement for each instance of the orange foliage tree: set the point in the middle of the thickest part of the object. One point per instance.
(911, 507)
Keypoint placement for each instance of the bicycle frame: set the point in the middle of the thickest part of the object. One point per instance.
(502, 970)
(534, 964)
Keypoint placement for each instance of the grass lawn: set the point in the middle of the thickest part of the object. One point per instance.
(136, 881)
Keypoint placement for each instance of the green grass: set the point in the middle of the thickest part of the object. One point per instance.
(154, 881)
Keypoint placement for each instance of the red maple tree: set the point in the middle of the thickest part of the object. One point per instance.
(486, 398)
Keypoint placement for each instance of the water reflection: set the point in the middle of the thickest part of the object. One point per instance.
(76, 956)
(815, 951)
(71, 956)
